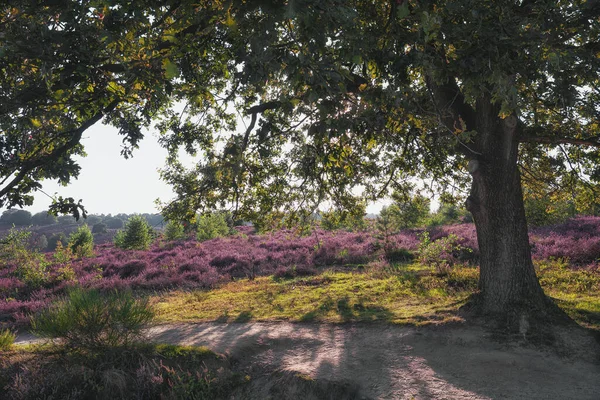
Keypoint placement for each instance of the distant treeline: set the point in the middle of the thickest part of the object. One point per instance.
(18, 217)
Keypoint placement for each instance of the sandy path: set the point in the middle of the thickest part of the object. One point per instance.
(392, 362)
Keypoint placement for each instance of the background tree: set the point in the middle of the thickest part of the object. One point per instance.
(409, 210)
(16, 218)
(43, 218)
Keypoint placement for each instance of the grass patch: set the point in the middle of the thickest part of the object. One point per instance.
(577, 292)
(403, 295)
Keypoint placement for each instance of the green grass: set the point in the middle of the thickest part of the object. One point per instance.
(404, 294)
(7, 338)
(577, 292)
(407, 294)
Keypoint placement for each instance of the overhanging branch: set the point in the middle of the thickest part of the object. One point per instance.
(591, 141)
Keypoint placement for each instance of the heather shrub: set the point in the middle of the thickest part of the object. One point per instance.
(90, 320)
(7, 338)
(81, 242)
(100, 227)
(54, 239)
(135, 236)
(394, 255)
(441, 253)
(211, 226)
(174, 231)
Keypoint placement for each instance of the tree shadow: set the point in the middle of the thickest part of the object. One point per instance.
(358, 312)
(244, 316)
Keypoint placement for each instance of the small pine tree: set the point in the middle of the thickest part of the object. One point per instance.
(135, 236)
(81, 242)
(211, 226)
(174, 231)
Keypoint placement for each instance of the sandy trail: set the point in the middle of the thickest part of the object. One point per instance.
(394, 362)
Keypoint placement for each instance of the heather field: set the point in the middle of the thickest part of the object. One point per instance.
(325, 276)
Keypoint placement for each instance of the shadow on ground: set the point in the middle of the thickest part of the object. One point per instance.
(387, 361)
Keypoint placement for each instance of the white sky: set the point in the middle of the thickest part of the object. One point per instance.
(108, 183)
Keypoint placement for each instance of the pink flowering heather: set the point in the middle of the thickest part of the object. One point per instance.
(189, 264)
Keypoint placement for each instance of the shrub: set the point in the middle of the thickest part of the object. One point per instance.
(89, 320)
(99, 228)
(174, 231)
(41, 243)
(440, 253)
(7, 338)
(211, 226)
(54, 239)
(81, 242)
(135, 235)
(398, 255)
(31, 266)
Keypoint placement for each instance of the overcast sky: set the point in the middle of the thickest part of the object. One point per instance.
(108, 183)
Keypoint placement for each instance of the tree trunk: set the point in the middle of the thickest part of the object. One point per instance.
(508, 286)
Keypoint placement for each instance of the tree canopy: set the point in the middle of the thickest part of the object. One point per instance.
(290, 104)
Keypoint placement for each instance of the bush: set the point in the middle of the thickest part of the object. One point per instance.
(43, 218)
(99, 228)
(89, 320)
(174, 231)
(7, 338)
(441, 253)
(31, 266)
(212, 225)
(135, 236)
(54, 239)
(81, 242)
(40, 243)
(398, 255)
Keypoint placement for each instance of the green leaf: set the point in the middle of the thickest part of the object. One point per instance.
(171, 70)
(403, 11)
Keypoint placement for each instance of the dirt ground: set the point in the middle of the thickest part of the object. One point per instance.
(394, 362)
(367, 361)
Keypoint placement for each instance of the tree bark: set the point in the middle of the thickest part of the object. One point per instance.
(508, 286)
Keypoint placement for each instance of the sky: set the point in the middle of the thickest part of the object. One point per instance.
(110, 184)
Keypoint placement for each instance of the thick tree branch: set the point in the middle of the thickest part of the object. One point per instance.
(28, 166)
(592, 141)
